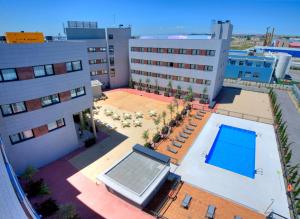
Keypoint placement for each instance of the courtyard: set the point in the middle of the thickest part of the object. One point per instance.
(79, 170)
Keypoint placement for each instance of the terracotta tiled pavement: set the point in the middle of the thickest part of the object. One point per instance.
(225, 209)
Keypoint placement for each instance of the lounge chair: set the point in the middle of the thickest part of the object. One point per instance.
(186, 201)
(198, 117)
(210, 214)
(189, 128)
(172, 150)
(180, 139)
(176, 144)
(183, 135)
(193, 124)
(187, 131)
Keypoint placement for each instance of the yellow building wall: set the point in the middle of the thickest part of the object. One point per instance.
(24, 37)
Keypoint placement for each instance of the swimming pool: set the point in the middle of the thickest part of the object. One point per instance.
(234, 149)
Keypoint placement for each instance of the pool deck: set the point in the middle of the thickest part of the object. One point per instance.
(257, 194)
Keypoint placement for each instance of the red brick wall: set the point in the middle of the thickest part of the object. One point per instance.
(33, 104)
(154, 49)
(189, 52)
(25, 73)
(186, 79)
(187, 66)
(65, 96)
(60, 68)
(42, 130)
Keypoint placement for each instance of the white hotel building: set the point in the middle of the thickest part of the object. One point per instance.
(194, 62)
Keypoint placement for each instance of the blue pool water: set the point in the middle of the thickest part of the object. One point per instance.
(234, 150)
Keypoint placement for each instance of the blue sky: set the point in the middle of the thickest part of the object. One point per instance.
(152, 16)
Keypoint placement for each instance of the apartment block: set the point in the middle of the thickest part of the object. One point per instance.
(43, 85)
(107, 51)
(189, 62)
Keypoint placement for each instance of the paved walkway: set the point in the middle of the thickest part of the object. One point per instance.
(292, 117)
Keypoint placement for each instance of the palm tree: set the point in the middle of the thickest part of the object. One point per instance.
(145, 136)
(156, 85)
(140, 83)
(157, 121)
(163, 115)
(171, 109)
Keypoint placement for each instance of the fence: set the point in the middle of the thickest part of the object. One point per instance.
(245, 116)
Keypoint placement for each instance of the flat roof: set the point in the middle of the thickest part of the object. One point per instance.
(177, 37)
(266, 190)
(137, 175)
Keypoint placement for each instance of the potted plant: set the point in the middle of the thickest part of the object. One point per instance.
(165, 130)
(156, 138)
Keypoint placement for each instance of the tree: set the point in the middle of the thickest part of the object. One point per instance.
(140, 83)
(171, 109)
(157, 121)
(156, 85)
(131, 84)
(147, 82)
(170, 86)
(176, 104)
(28, 173)
(178, 91)
(163, 115)
(145, 136)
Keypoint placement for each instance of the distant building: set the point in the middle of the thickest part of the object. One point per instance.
(43, 85)
(257, 66)
(194, 62)
(107, 51)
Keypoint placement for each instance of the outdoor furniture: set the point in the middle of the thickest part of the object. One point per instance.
(152, 113)
(172, 150)
(125, 124)
(186, 201)
(198, 117)
(210, 214)
(183, 135)
(127, 116)
(116, 117)
(193, 124)
(187, 131)
(138, 115)
(137, 123)
(180, 139)
(189, 128)
(176, 144)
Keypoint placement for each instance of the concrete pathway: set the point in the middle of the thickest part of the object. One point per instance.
(292, 117)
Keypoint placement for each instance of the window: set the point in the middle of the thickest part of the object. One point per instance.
(232, 62)
(112, 72)
(21, 136)
(193, 66)
(211, 52)
(110, 36)
(55, 125)
(91, 49)
(76, 65)
(43, 70)
(73, 66)
(111, 49)
(195, 52)
(255, 75)
(14, 108)
(111, 61)
(170, 50)
(208, 68)
(149, 49)
(247, 74)
(180, 65)
(77, 92)
(102, 49)
(8, 75)
(93, 73)
(50, 100)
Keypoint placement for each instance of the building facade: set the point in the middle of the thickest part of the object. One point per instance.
(258, 66)
(42, 86)
(107, 51)
(184, 63)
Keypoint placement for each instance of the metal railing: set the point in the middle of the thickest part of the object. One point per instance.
(24, 202)
(274, 215)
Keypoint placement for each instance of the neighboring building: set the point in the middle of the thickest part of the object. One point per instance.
(107, 51)
(194, 62)
(249, 65)
(42, 86)
(138, 176)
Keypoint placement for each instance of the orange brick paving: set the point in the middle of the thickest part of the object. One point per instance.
(225, 209)
(176, 158)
